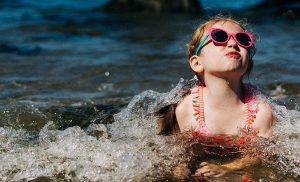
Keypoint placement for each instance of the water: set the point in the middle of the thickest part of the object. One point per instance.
(217, 4)
(66, 70)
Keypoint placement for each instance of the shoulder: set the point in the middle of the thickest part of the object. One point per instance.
(183, 106)
(183, 112)
(264, 119)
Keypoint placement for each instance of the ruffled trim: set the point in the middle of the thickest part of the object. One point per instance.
(250, 110)
(198, 108)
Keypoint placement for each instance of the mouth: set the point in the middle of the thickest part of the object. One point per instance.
(233, 54)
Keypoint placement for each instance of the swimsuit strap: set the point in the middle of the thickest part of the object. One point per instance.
(198, 107)
(250, 110)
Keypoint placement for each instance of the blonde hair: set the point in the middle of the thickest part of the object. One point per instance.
(202, 29)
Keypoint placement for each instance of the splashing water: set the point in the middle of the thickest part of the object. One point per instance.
(285, 143)
(128, 149)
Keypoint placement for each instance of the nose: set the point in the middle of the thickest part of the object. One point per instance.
(232, 43)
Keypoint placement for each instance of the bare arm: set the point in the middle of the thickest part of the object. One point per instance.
(214, 170)
(242, 163)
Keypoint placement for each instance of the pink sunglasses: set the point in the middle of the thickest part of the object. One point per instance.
(220, 37)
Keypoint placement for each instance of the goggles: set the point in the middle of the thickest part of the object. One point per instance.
(220, 37)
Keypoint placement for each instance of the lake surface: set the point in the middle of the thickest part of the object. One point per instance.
(68, 64)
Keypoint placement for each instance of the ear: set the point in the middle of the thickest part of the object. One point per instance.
(196, 65)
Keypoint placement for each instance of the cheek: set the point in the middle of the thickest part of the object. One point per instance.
(245, 54)
(212, 52)
(246, 61)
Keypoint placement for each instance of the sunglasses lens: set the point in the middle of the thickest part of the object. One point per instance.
(243, 39)
(219, 35)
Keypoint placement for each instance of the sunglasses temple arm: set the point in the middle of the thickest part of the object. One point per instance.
(201, 44)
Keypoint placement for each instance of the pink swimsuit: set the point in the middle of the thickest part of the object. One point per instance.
(201, 129)
(224, 146)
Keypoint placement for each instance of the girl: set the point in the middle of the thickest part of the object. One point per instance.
(220, 54)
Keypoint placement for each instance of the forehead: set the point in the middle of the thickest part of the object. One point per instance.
(228, 26)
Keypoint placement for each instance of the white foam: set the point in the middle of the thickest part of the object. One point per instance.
(127, 150)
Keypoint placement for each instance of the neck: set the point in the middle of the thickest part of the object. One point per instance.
(223, 93)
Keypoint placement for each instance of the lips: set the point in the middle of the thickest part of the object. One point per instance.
(233, 54)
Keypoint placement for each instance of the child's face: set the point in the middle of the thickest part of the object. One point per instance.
(226, 59)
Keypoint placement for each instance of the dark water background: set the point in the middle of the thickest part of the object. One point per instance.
(66, 61)
(68, 52)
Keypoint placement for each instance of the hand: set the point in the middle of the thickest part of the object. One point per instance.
(211, 170)
(181, 171)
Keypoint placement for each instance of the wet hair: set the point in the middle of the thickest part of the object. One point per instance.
(167, 118)
(167, 121)
(201, 31)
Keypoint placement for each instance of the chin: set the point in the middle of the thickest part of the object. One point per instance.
(236, 66)
(236, 71)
